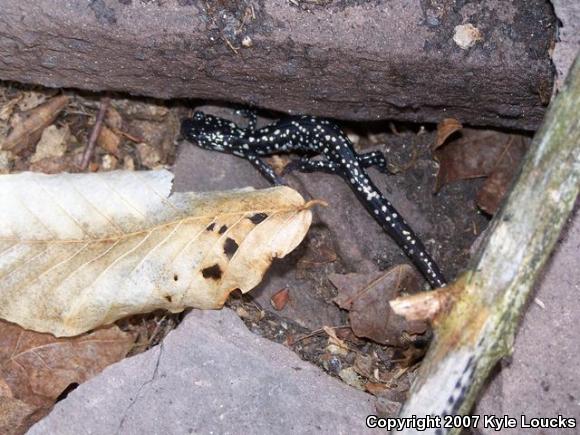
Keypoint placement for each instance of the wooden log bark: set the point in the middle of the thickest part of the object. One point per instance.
(480, 326)
(348, 59)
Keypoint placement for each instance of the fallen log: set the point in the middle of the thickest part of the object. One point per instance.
(347, 59)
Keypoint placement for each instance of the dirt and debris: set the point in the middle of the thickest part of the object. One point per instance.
(44, 130)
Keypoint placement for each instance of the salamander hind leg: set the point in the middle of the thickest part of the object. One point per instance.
(373, 159)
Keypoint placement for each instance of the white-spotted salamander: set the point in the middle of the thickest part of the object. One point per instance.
(313, 136)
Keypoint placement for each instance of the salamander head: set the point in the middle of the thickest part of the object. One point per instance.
(209, 130)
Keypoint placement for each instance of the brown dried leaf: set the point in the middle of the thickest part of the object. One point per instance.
(317, 255)
(55, 165)
(112, 244)
(28, 126)
(367, 296)
(375, 388)
(109, 141)
(473, 155)
(16, 416)
(113, 119)
(445, 129)
(364, 365)
(159, 136)
(37, 368)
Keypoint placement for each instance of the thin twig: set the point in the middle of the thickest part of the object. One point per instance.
(90, 149)
(317, 332)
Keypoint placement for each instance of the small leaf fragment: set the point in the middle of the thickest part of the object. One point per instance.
(280, 299)
(109, 141)
(53, 143)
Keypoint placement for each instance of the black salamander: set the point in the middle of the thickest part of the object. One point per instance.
(313, 135)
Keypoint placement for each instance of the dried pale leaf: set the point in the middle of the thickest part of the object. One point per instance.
(141, 110)
(150, 156)
(31, 99)
(128, 163)
(81, 250)
(467, 35)
(53, 143)
(28, 126)
(7, 109)
(352, 378)
(6, 159)
(333, 338)
(109, 162)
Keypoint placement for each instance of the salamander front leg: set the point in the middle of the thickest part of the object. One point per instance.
(251, 115)
(306, 165)
(373, 158)
(265, 169)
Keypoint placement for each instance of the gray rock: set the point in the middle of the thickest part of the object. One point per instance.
(210, 375)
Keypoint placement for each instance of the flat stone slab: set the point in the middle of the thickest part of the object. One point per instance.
(211, 375)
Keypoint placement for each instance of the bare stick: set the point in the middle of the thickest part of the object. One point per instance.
(90, 148)
(424, 306)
